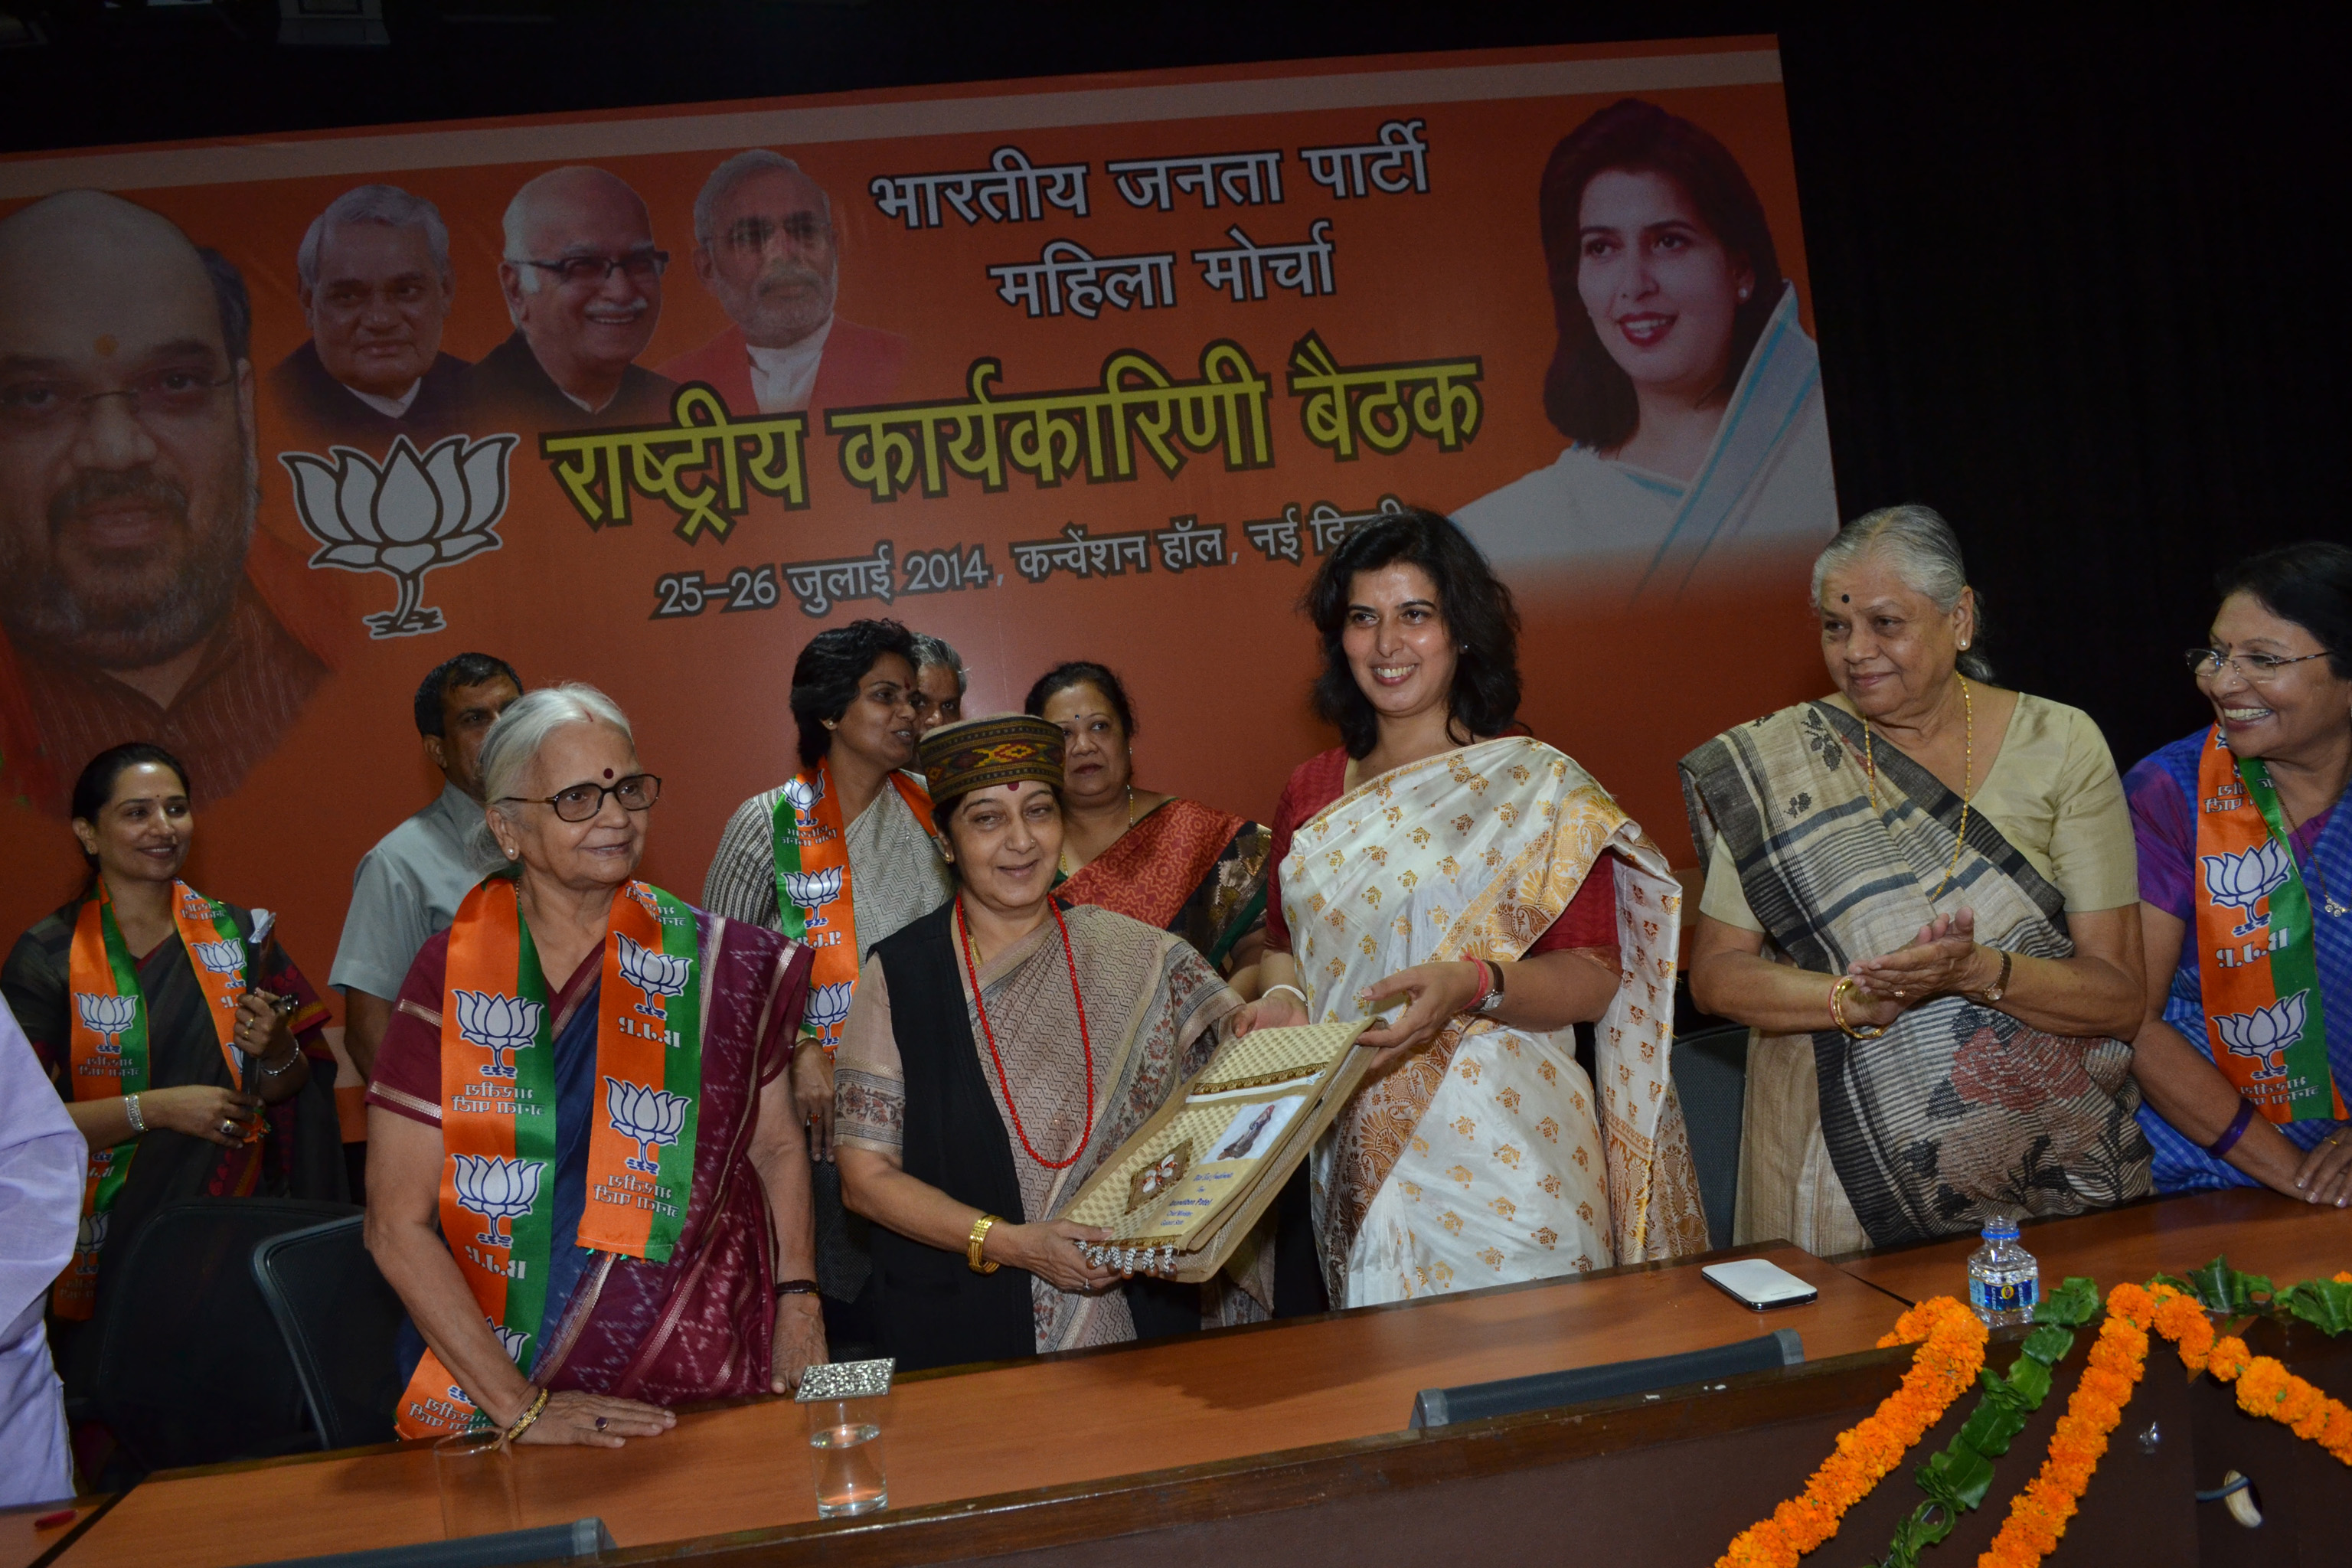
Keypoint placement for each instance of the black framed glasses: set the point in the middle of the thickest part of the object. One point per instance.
(179, 394)
(642, 265)
(2204, 662)
(584, 801)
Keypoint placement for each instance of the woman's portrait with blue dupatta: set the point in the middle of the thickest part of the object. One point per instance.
(1685, 382)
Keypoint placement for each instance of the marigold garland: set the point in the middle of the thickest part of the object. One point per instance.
(2038, 1514)
(1951, 1341)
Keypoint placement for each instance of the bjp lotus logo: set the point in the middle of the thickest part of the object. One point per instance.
(108, 1017)
(498, 1024)
(660, 975)
(90, 1232)
(653, 1117)
(2265, 1032)
(2241, 881)
(804, 793)
(511, 1340)
(828, 1005)
(812, 890)
(406, 517)
(225, 957)
(497, 1188)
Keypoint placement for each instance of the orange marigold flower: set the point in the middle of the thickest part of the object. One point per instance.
(2228, 1357)
(2131, 1302)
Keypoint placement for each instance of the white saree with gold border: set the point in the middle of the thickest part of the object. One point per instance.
(1480, 1159)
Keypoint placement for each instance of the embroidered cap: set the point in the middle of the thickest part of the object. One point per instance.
(974, 753)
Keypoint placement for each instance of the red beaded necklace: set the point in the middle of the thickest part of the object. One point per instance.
(971, 968)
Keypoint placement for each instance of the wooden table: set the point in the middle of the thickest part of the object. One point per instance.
(24, 1540)
(2259, 1232)
(1048, 1422)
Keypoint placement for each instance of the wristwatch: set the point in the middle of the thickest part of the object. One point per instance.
(2000, 986)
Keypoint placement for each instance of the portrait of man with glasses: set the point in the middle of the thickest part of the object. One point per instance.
(766, 247)
(582, 283)
(137, 599)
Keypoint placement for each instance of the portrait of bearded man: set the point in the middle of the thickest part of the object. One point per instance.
(138, 601)
(766, 248)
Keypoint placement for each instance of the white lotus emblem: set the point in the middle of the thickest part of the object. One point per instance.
(651, 1116)
(804, 793)
(657, 974)
(498, 1024)
(2241, 881)
(496, 1188)
(827, 1007)
(813, 890)
(89, 1234)
(406, 517)
(225, 957)
(2265, 1032)
(511, 1340)
(109, 1017)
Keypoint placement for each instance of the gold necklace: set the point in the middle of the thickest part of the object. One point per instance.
(1062, 861)
(1968, 776)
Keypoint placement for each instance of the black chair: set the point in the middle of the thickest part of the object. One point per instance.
(339, 1319)
(542, 1544)
(1710, 1073)
(1579, 1385)
(188, 1366)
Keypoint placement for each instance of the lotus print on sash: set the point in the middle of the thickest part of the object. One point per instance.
(412, 514)
(225, 957)
(2240, 881)
(2265, 1032)
(498, 1024)
(660, 975)
(653, 1117)
(90, 1232)
(109, 1017)
(812, 890)
(804, 793)
(511, 1340)
(828, 1006)
(496, 1188)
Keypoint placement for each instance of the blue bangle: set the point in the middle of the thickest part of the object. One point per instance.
(2235, 1131)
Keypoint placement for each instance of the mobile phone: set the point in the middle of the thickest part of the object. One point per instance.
(1759, 1285)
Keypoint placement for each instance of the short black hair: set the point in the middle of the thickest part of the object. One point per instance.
(230, 298)
(1081, 672)
(465, 669)
(95, 787)
(2310, 584)
(1478, 613)
(825, 677)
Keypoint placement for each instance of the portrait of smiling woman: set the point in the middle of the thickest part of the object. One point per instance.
(1684, 381)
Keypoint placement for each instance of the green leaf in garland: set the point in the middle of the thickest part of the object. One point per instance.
(2221, 1289)
(2031, 1379)
(1957, 1477)
(2049, 1343)
(1989, 1430)
(2324, 1304)
(2071, 1305)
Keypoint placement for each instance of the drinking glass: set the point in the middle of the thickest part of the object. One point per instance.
(476, 1481)
(846, 1403)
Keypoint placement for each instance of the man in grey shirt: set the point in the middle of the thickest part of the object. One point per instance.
(410, 885)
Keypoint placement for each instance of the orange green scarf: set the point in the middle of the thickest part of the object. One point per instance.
(2258, 972)
(813, 892)
(109, 1048)
(498, 1114)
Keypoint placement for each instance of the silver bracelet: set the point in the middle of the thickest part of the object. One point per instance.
(291, 1057)
(1293, 990)
(131, 1110)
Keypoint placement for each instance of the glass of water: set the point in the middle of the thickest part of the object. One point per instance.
(847, 1403)
(475, 1474)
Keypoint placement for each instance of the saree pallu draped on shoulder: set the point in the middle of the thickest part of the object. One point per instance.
(1957, 1108)
(1185, 868)
(675, 1303)
(1482, 1159)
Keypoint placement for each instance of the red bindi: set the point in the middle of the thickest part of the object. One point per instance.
(608, 773)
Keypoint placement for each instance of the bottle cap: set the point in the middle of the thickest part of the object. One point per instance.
(2000, 1227)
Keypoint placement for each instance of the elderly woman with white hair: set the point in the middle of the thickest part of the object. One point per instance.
(586, 1179)
(1922, 895)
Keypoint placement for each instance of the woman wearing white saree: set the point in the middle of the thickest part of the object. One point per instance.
(1489, 883)
(1684, 381)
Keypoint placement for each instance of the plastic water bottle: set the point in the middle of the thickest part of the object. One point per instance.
(2004, 1282)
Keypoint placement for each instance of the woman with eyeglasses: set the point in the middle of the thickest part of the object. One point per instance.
(1920, 897)
(2245, 881)
(841, 856)
(187, 1046)
(586, 1177)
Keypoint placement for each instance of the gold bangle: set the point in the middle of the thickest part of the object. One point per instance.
(1837, 1013)
(524, 1421)
(971, 1248)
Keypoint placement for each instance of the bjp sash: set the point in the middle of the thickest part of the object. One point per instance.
(498, 1115)
(2257, 968)
(109, 1048)
(813, 892)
